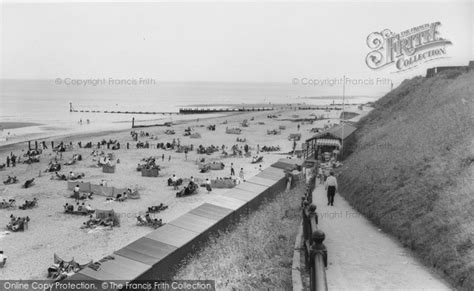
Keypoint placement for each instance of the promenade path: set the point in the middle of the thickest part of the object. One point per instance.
(361, 257)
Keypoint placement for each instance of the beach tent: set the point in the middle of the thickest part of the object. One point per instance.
(154, 172)
(108, 169)
(83, 187)
(101, 190)
(216, 166)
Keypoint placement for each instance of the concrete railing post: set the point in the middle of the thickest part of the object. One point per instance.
(318, 262)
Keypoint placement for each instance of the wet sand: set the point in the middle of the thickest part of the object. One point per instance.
(13, 125)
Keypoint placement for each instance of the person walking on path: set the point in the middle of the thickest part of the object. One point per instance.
(8, 161)
(331, 188)
(163, 157)
(208, 186)
(232, 171)
(13, 160)
(241, 174)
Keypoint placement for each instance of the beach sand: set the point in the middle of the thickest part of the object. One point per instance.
(51, 231)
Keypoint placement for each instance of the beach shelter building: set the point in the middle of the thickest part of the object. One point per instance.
(340, 137)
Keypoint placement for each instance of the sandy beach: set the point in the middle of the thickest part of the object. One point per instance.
(51, 231)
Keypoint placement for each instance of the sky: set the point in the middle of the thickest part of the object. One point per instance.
(218, 41)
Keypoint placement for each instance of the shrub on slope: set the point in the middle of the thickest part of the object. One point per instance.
(411, 170)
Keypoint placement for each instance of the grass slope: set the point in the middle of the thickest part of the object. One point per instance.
(411, 171)
(254, 255)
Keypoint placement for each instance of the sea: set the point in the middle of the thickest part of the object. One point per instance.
(46, 103)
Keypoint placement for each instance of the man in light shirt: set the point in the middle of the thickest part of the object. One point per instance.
(331, 188)
(174, 180)
(76, 191)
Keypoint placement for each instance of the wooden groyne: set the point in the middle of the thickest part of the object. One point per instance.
(203, 110)
(207, 110)
(71, 109)
(149, 125)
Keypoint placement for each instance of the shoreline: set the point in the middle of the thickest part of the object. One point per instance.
(55, 136)
(14, 125)
(92, 134)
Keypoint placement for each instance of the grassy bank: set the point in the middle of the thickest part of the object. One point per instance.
(254, 255)
(411, 170)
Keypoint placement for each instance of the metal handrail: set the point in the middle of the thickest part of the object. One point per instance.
(315, 250)
(318, 273)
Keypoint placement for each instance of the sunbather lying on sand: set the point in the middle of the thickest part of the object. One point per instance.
(17, 223)
(54, 167)
(91, 223)
(29, 204)
(109, 221)
(190, 189)
(10, 180)
(59, 176)
(76, 176)
(119, 197)
(157, 208)
(29, 183)
(70, 163)
(148, 221)
(7, 204)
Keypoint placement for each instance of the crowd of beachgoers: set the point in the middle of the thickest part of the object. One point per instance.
(82, 197)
